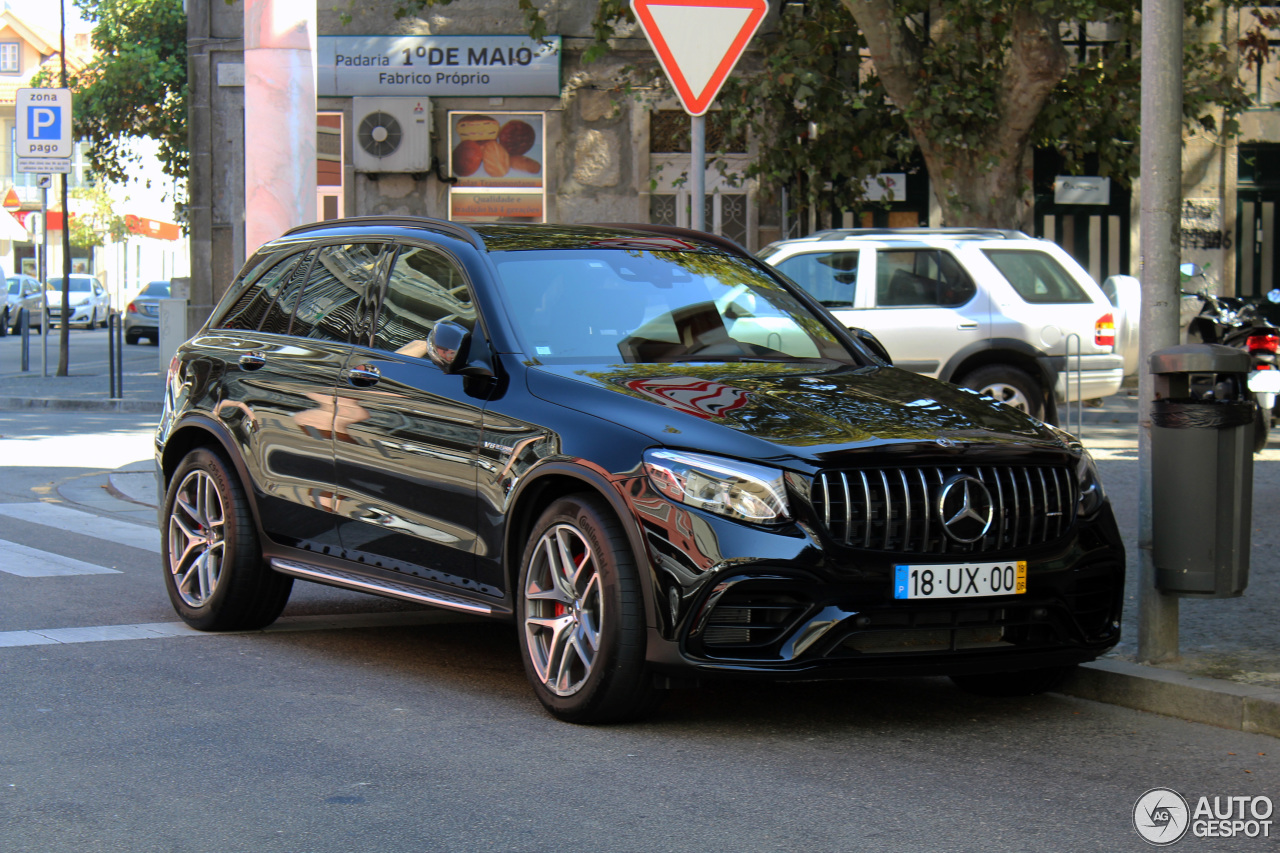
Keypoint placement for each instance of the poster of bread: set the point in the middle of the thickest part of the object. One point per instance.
(498, 150)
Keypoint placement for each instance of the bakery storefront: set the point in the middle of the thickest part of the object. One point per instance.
(447, 126)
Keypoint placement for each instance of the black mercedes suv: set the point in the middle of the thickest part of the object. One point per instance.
(659, 457)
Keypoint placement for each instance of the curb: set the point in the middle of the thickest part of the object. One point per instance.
(64, 404)
(1226, 704)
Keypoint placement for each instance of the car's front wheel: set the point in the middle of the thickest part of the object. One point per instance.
(213, 566)
(581, 614)
(1007, 385)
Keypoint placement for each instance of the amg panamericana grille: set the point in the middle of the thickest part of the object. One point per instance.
(897, 509)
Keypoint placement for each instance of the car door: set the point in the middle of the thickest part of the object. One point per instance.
(287, 341)
(407, 434)
(921, 304)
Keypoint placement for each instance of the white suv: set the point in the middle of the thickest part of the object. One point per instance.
(991, 310)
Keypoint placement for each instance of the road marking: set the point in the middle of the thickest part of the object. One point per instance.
(27, 562)
(165, 630)
(74, 521)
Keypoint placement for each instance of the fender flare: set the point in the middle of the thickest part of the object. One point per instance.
(1046, 374)
(230, 449)
(605, 488)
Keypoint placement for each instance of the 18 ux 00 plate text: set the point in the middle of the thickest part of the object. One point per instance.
(959, 580)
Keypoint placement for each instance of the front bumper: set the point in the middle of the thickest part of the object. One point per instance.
(79, 314)
(805, 608)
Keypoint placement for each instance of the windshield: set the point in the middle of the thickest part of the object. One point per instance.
(645, 307)
(78, 285)
(155, 288)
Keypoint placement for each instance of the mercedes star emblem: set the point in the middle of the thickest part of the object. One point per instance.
(966, 509)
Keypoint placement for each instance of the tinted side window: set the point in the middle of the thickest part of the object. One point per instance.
(250, 306)
(280, 313)
(336, 287)
(424, 288)
(921, 277)
(1038, 277)
(828, 277)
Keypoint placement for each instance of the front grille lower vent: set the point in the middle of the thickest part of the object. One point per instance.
(897, 509)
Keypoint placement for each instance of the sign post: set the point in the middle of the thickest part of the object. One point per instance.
(43, 147)
(698, 43)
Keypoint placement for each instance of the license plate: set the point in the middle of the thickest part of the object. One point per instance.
(959, 580)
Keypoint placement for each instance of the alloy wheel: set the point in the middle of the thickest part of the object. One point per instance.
(197, 538)
(1007, 394)
(563, 610)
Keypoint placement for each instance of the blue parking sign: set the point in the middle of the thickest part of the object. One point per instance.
(44, 122)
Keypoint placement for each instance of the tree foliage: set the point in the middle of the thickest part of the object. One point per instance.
(136, 85)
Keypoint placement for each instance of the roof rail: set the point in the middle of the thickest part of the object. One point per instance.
(674, 231)
(453, 229)
(984, 233)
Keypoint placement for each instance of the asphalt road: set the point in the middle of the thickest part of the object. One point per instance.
(365, 725)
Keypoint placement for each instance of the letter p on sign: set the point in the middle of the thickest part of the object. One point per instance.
(44, 122)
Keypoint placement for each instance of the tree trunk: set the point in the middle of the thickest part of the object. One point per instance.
(984, 184)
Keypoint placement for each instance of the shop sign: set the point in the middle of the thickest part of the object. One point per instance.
(439, 66)
(499, 161)
(1077, 190)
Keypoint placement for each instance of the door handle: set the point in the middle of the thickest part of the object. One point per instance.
(967, 326)
(363, 375)
(253, 360)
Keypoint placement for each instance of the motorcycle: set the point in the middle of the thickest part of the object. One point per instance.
(1233, 322)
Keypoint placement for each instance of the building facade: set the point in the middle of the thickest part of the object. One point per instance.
(457, 114)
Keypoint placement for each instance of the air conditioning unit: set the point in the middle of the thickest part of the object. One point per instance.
(391, 134)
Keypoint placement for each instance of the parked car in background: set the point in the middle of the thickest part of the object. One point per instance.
(22, 291)
(89, 303)
(657, 457)
(142, 316)
(990, 310)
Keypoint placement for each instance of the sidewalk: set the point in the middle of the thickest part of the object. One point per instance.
(1229, 671)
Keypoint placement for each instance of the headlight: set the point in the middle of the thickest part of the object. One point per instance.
(725, 486)
(1092, 495)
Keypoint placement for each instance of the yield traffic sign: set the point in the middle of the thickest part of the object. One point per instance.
(699, 42)
(44, 122)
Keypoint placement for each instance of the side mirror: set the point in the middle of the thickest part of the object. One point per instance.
(447, 344)
(872, 343)
(1273, 296)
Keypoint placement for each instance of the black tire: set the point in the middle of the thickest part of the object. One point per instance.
(1007, 385)
(4, 323)
(1261, 426)
(556, 621)
(234, 590)
(131, 339)
(1027, 682)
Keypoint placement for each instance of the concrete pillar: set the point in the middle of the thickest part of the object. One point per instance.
(280, 117)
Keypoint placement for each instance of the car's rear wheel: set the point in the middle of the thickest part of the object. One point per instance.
(213, 566)
(581, 614)
(1027, 682)
(1007, 385)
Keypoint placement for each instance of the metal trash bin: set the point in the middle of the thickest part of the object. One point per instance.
(1201, 470)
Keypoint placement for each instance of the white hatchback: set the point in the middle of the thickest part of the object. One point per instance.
(996, 311)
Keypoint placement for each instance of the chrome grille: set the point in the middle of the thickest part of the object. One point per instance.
(896, 509)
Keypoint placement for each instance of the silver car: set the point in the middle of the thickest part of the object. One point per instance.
(23, 292)
(142, 317)
(89, 302)
(996, 311)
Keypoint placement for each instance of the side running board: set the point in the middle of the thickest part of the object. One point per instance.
(377, 586)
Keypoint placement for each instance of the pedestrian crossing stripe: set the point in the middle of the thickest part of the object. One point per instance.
(73, 521)
(27, 562)
(164, 630)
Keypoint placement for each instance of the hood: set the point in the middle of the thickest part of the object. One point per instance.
(774, 411)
